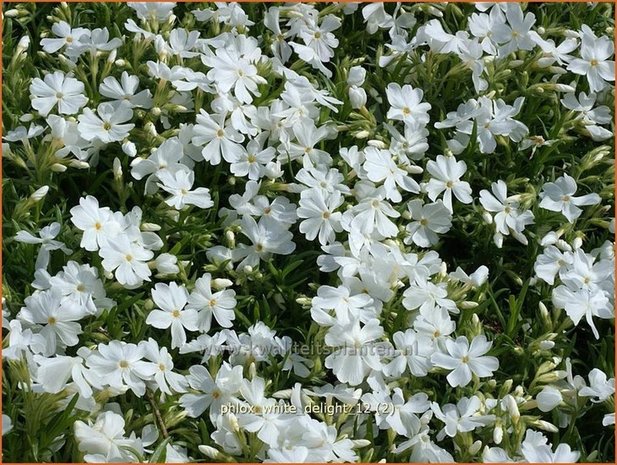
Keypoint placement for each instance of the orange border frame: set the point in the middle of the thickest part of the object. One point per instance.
(298, 1)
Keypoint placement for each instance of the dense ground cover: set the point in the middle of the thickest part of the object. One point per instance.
(308, 232)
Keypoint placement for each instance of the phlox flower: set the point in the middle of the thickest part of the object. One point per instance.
(558, 196)
(46, 239)
(446, 175)
(119, 364)
(465, 359)
(106, 125)
(355, 354)
(317, 207)
(171, 300)
(406, 104)
(429, 220)
(207, 304)
(179, 185)
(128, 260)
(380, 166)
(57, 89)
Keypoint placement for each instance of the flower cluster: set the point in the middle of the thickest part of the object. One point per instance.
(308, 233)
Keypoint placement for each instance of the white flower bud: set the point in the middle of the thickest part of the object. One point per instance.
(150, 227)
(360, 443)
(129, 148)
(498, 239)
(357, 97)
(498, 434)
(475, 447)
(166, 263)
(58, 168)
(210, 452)
(221, 283)
(512, 407)
(79, 164)
(467, 305)
(120, 63)
(156, 111)
(487, 217)
(362, 134)
(26, 118)
(547, 345)
(12, 13)
(545, 425)
(112, 56)
(377, 143)
(577, 243)
(23, 44)
(357, 75)
(117, 169)
(39, 194)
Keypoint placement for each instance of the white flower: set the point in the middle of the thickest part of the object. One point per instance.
(212, 393)
(583, 303)
(380, 166)
(594, 62)
(57, 89)
(46, 238)
(125, 90)
(600, 388)
(119, 364)
(430, 219)
(171, 300)
(219, 139)
(354, 354)
(58, 319)
(266, 240)
(67, 36)
(535, 449)
(179, 185)
(462, 417)
(128, 260)
(105, 441)
(230, 71)
(446, 175)
(164, 377)
(98, 224)
(406, 104)
(508, 218)
(107, 126)
(465, 359)
(221, 304)
(317, 206)
(559, 196)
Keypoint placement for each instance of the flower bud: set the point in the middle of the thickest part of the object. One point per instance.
(545, 425)
(211, 452)
(498, 433)
(475, 447)
(79, 164)
(58, 168)
(487, 217)
(39, 194)
(221, 283)
(22, 45)
(129, 148)
(357, 97)
(117, 169)
(357, 75)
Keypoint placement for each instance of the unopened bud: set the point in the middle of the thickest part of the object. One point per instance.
(221, 283)
(210, 452)
(39, 194)
(475, 447)
(117, 169)
(58, 168)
